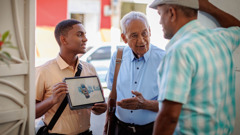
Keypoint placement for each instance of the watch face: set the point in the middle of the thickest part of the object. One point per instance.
(84, 90)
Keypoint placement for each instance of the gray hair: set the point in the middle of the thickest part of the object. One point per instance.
(131, 16)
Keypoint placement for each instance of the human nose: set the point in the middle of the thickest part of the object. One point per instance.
(141, 39)
(85, 39)
(160, 21)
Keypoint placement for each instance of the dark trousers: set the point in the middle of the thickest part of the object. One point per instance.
(129, 129)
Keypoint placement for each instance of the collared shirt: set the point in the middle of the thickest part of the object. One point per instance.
(51, 73)
(138, 75)
(198, 71)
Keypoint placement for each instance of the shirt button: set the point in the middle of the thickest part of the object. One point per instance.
(137, 67)
(131, 111)
(132, 96)
(135, 82)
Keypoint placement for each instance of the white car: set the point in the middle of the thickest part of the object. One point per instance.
(99, 57)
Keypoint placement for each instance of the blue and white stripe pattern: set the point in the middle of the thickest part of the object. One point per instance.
(198, 71)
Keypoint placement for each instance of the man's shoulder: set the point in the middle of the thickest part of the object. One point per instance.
(157, 50)
(86, 64)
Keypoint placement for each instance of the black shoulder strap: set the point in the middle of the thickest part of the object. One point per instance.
(63, 104)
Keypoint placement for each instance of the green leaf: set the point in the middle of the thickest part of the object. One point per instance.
(7, 42)
(5, 35)
(7, 55)
(10, 46)
(4, 59)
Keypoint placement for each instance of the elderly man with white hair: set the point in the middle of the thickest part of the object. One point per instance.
(137, 89)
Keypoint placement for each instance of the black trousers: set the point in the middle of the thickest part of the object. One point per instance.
(129, 129)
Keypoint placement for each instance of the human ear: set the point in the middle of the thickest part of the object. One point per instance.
(124, 38)
(173, 14)
(63, 40)
(149, 31)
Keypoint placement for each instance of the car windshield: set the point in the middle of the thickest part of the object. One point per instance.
(100, 57)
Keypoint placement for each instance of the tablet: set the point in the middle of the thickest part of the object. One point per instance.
(84, 92)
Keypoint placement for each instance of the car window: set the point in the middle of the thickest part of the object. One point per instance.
(101, 53)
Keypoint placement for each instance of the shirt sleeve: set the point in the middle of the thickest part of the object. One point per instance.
(110, 73)
(39, 84)
(232, 36)
(174, 78)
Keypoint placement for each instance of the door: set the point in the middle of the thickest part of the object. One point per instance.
(17, 93)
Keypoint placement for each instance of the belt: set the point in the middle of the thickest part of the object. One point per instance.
(135, 128)
(87, 132)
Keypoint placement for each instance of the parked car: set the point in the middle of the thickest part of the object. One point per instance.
(99, 57)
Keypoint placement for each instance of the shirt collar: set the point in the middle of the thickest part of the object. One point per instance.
(145, 56)
(62, 64)
(189, 27)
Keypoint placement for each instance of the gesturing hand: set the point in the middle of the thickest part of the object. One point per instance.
(132, 103)
(58, 90)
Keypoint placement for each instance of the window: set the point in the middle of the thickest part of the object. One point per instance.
(101, 53)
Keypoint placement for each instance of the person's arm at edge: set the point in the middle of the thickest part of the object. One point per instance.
(167, 118)
(221, 16)
(43, 106)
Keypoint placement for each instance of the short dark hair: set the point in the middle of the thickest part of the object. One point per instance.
(188, 12)
(63, 27)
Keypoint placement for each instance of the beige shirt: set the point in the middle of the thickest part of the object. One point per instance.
(51, 73)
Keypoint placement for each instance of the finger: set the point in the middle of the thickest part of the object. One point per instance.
(58, 85)
(129, 100)
(100, 104)
(60, 90)
(61, 93)
(127, 105)
(136, 93)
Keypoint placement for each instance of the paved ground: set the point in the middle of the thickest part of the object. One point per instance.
(97, 123)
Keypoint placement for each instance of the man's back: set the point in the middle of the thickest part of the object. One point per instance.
(203, 58)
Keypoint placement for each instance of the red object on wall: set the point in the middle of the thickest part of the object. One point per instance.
(105, 20)
(51, 12)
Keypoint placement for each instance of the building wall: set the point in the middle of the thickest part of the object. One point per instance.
(50, 12)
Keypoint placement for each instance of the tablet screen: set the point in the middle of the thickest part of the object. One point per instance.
(84, 92)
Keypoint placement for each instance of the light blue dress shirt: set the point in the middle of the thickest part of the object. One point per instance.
(138, 75)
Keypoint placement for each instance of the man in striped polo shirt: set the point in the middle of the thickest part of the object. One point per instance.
(197, 75)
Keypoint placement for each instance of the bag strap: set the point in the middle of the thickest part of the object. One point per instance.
(117, 67)
(63, 104)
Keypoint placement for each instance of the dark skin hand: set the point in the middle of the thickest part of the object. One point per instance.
(99, 108)
(138, 102)
(59, 90)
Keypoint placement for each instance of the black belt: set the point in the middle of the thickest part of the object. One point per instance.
(135, 128)
(87, 132)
